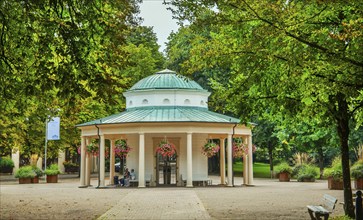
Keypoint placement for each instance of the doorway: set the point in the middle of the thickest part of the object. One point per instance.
(166, 170)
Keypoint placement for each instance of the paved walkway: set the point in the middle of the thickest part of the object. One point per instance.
(160, 203)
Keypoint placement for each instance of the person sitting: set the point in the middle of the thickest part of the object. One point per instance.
(133, 174)
(126, 180)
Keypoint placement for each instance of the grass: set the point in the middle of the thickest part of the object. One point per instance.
(260, 170)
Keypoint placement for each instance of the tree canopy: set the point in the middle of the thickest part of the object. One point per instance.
(292, 60)
(74, 55)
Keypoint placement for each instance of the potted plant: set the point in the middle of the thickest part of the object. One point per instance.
(334, 175)
(25, 174)
(284, 171)
(307, 173)
(52, 173)
(210, 149)
(357, 174)
(6, 165)
(38, 173)
(70, 167)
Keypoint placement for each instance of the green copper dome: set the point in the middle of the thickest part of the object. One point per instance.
(166, 79)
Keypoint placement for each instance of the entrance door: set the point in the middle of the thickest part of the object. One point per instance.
(166, 168)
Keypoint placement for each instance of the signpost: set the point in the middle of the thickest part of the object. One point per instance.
(52, 128)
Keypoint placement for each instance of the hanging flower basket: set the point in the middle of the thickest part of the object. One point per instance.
(93, 150)
(239, 149)
(166, 149)
(122, 148)
(210, 149)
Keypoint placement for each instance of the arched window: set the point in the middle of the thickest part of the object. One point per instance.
(187, 102)
(145, 102)
(166, 101)
(130, 103)
(202, 102)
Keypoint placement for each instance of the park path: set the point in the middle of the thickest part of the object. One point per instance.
(159, 203)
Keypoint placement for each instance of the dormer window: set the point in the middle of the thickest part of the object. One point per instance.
(166, 101)
(145, 102)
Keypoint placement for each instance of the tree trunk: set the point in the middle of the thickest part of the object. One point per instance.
(343, 132)
(321, 160)
(271, 159)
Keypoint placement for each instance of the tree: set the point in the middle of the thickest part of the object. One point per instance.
(298, 59)
(77, 56)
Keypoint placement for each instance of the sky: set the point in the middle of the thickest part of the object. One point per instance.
(155, 14)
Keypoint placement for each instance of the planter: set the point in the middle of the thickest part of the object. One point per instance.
(35, 180)
(52, 178)
(6, 170)
(335, 184)
(71, 169)
(308, 180)
(25, 180)
(358, 183)
(284, 177)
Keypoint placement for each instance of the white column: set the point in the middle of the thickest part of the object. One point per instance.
(112, 161)
(229, 160)
(141, 160)
(61, 159)
(15, 157)
(88, 166)
(83, 161)
(189, 161)
(222, 161)
(102, 161)
(245, 163)
(250, 161)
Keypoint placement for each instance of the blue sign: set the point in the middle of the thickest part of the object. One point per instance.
(53, 129)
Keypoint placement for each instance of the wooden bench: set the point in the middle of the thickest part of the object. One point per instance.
(317, 211)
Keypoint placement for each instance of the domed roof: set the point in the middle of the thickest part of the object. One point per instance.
(166, 79)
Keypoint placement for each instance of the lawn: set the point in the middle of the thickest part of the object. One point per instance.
(260, 170)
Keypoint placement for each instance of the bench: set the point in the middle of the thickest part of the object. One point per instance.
(135, 182)
(197, 182)
(317, 211)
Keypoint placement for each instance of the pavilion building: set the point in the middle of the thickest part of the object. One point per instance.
(166, 107)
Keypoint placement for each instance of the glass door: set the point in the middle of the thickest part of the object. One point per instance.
(166, 168)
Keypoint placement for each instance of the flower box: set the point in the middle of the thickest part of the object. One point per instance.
(335, 184)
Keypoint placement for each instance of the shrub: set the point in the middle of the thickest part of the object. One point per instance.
(283, 167)
(335, 171)
(6, 162)
(357, 169)
(25, 172)
(38, 172)
(52, 170)
(307, 171)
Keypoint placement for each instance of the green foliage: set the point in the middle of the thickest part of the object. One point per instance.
(6, 162)
(343, 217)
(307, 171)
(283, 167)
(335, 171)
(38, 172)
(260, 170)
(52, 170)
(357, 169)
(25, 172)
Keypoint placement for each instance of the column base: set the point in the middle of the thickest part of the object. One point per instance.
(189, 186)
